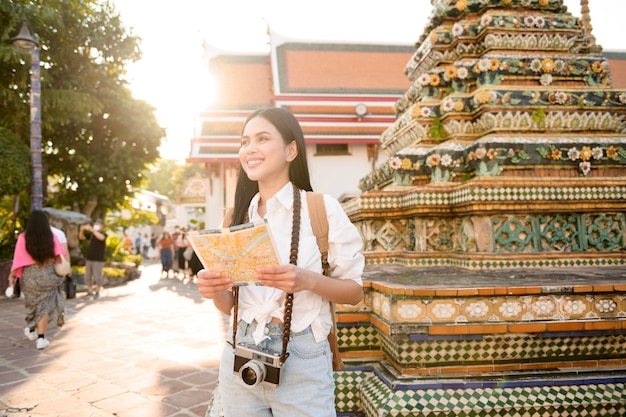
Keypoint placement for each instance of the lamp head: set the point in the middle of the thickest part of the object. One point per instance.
(25, 41)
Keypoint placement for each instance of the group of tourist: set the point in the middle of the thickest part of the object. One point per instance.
(178, 260)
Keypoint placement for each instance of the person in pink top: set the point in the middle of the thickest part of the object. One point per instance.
(36, 252)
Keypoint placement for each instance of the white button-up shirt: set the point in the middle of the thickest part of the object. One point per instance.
(262, 303)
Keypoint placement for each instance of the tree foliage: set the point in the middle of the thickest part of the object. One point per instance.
(15, 156)
(168, 177)
(159, 177)
(96, 138)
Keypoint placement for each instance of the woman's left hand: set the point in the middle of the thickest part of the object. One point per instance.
(292, 279)
(288, 278)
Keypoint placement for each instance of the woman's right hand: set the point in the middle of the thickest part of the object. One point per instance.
(211, 283)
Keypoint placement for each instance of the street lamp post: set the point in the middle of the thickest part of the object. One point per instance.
(28, 43)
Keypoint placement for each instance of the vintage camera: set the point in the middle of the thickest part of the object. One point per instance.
(255, 366)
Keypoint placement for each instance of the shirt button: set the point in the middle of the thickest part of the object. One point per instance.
(267, 330)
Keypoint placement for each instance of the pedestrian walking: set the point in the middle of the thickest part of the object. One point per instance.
(96, 251)
(34, 257)
(166, 249)
(138, 244)
(181, 245)
(292, 303)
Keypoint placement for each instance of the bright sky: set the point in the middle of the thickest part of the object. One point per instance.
(172, 75)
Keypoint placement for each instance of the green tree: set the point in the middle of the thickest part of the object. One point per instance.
(15, 156)
(97, 139)
(159, 177)
(14, 179)
(168, 177)
(127, 216)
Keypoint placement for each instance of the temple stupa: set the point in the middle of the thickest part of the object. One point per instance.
(495, 234)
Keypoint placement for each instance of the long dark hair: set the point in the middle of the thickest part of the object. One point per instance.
(38, 236)
(289, 128)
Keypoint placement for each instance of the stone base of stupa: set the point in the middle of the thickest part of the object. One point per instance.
(444, 341)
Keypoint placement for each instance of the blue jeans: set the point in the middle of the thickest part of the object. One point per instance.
(306, 389)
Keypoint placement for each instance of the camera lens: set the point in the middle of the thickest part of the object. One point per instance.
(252, 373)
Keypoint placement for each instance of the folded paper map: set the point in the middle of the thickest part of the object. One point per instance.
(236, 251)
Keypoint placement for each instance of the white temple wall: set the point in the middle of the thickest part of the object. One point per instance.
(338, 175)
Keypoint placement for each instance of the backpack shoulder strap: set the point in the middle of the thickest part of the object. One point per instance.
(319, 223)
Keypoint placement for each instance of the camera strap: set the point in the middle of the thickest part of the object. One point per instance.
(293, 259)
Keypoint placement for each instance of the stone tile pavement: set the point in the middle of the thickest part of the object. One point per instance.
(148, 348)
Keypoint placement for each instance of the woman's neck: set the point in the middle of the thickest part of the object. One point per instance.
(266, 192)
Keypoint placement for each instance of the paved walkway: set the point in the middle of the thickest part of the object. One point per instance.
(147, 348)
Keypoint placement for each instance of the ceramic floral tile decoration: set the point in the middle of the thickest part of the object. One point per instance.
(495, 234)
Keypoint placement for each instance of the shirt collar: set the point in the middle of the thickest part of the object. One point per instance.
(284, 197)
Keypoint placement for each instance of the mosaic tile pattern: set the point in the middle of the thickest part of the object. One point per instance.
(495, 263)
(347, 392)
(474, 194)
(357, 337)
(568, 400)
(507, 348)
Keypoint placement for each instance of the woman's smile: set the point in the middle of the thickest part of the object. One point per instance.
(254, 162)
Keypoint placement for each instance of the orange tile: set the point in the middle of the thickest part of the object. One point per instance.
(488, 329)
(530, 366)
(362, 354)
(432, 371)
(602, 288)
(445, 292)
(507, 367)
(585, 364)
(480, 368)
(448, 330)
(516, 290)
(423, 292)
(533, 290)
(420, 371)
(398, 290)
(603, 325)
(567, 326)
(381, 325)
(500, 291)
(486, 291)
(583, 288)
(454, 370)
(621, 288)
(352, 317)
(527, 328)
(467, 291)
